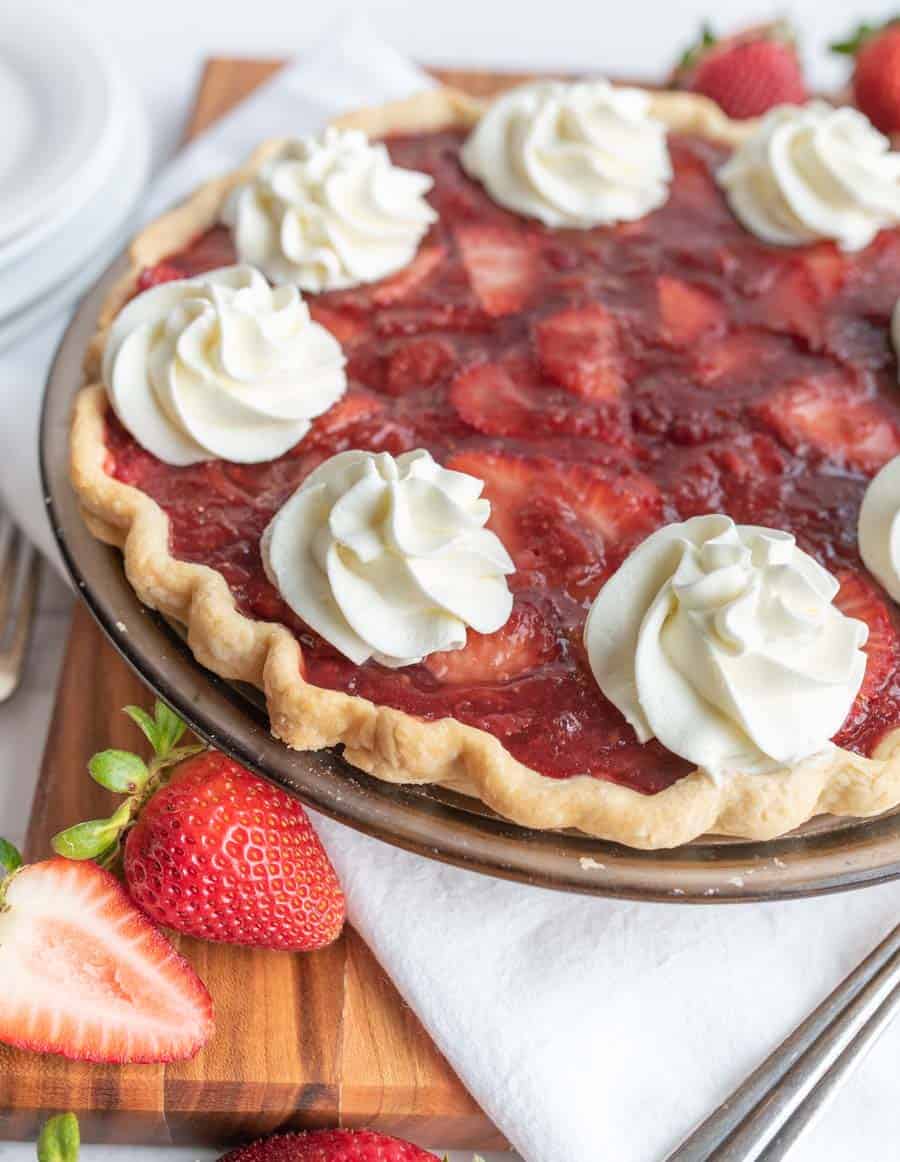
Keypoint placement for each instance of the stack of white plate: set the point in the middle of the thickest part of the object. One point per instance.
(73, 162)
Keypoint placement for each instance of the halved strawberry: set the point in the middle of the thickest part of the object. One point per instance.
(688, 313)
(418, 362)
(501, 262)
(833, 417)
(525, 642)
(404, 282)
(579, 348)
(86, 975)
(859, 598)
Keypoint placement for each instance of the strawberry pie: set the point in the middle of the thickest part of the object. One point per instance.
(521, 448)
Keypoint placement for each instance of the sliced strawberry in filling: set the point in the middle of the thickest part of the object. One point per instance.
(858, 598)
(418, 362)
(579, 348)
(502, 264)
(575, 521)
(521, 646)
(405, 282)
(601, 382)
(505, 399)
(688, 313)
(833, 417)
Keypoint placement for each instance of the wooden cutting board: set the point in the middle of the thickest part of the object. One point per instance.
(303, 1040)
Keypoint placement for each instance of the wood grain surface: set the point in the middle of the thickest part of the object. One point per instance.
(303, 1040)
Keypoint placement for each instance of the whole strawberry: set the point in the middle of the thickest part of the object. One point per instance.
(746, 74)
(210, 849)
(330, 1146)
(876, 76)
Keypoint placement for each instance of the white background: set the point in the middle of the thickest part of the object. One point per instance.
(163, 43)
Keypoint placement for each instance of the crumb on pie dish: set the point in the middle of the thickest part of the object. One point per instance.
(521, 449)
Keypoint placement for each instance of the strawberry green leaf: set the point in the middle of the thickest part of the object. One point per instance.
(10, 859)
(119, 771)
(693, 54)
(169, 728)
(863, 33)
(145, 722)
(93, 838)
(60, 1139)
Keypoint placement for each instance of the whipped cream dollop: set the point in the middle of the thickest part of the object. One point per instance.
(722, 641)
(220, 367)
(330, 212)
(814, 172)
(583, 154)
(878, 530)
(389, 558)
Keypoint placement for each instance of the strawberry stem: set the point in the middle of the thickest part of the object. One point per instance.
(691, 55)
(126, 773)
(60, 1139)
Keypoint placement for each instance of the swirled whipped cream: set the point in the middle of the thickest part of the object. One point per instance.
(330, 212)
(220, 367)
(722, 641)
(814, 172)
(389, 558)
(878, 530)
(579, 155)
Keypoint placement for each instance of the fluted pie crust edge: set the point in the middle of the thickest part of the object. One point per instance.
(389, 743)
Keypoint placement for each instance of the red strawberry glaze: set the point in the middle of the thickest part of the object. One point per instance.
(685, 368)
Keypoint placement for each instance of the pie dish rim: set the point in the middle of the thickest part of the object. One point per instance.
(389, 743)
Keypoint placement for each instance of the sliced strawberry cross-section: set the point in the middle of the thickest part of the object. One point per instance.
(572, 521)
(859, 598)
(87, 976)
(519, 647)
(418, 362)
(796, 300)
(502, 265)
(688, 313)
(834, 417)
(341, 419)
(579, 348)
(408, 280)
(506, 399)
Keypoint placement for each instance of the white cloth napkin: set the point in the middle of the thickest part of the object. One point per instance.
(590, 1031)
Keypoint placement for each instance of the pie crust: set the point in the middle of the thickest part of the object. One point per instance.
(389, 743)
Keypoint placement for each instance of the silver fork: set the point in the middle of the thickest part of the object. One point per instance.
(765, 1116)
(20, 572)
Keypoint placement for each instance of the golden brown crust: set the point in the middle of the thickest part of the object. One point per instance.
(389, 743)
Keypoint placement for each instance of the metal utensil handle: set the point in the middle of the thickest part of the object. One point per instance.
(761, 1125)
(809, 1110)
(717, 1128)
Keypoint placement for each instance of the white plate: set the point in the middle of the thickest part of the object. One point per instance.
(107, 223)
(74, 238)
(58, 108)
